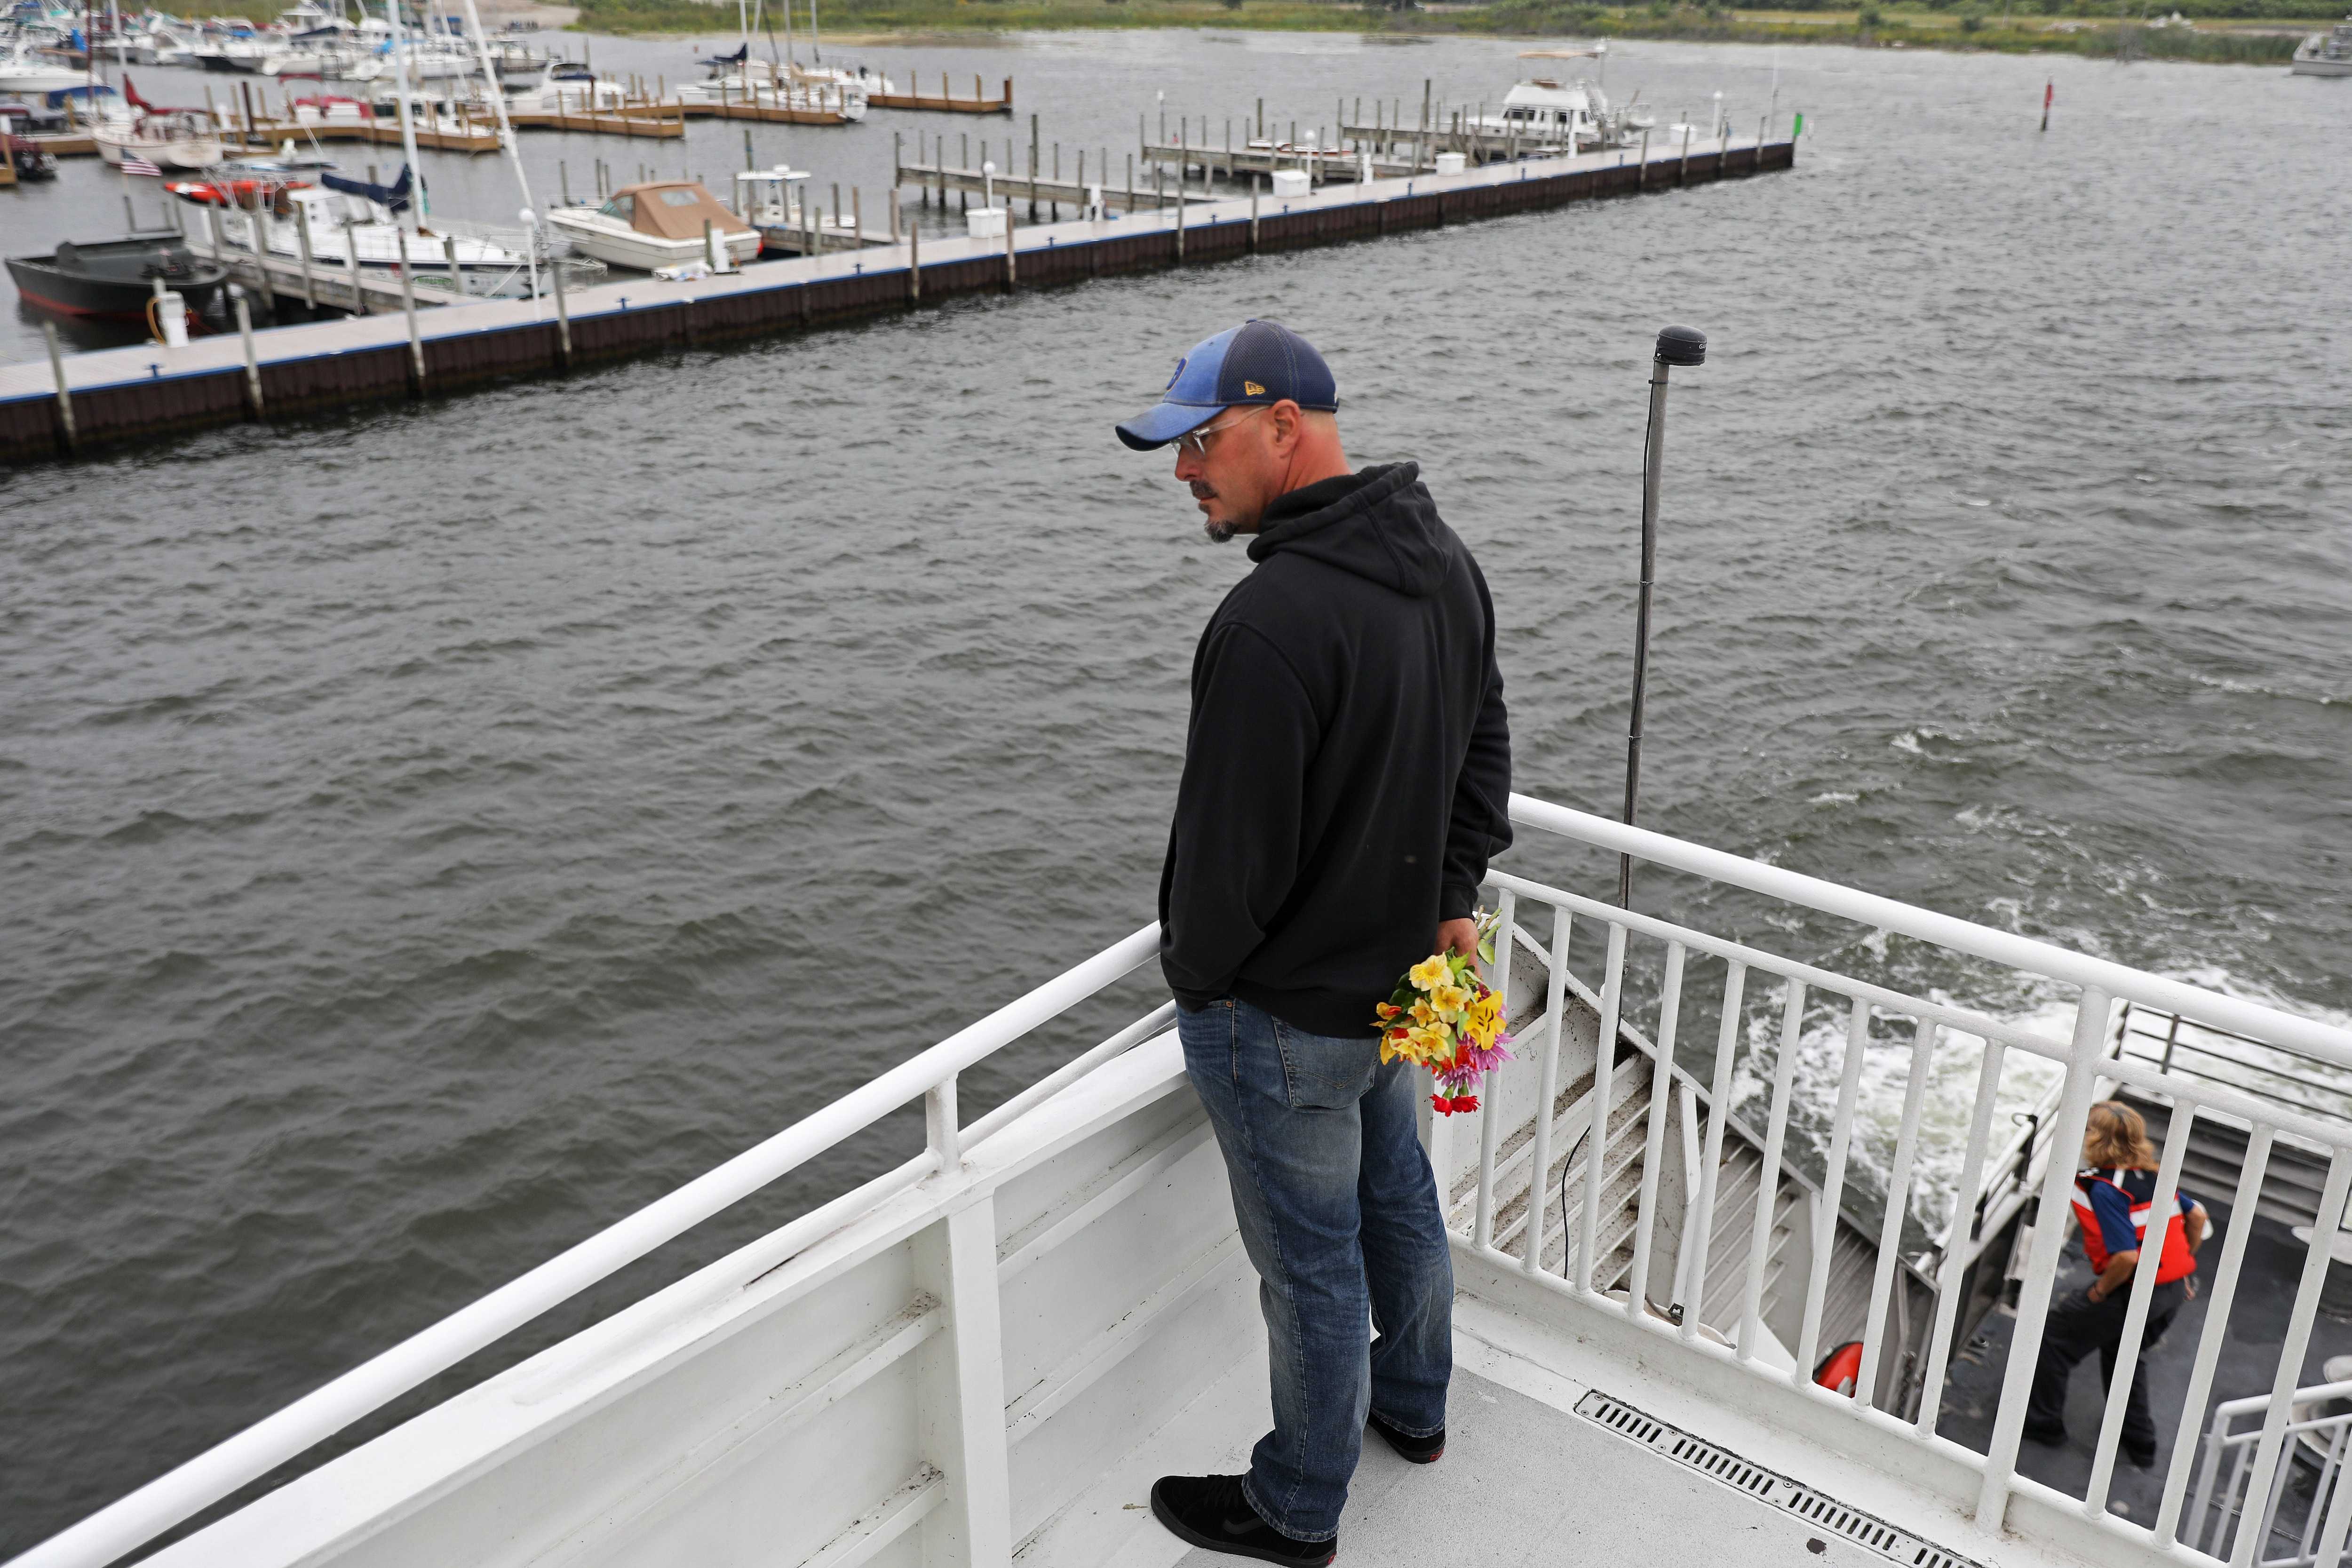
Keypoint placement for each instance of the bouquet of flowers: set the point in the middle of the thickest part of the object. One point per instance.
(1444, 1017)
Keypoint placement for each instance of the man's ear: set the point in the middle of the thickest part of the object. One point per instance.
(1289, 422)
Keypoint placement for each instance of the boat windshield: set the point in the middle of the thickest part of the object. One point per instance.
(622, 207)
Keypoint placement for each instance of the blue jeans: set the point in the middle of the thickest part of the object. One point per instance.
(1339, 1211)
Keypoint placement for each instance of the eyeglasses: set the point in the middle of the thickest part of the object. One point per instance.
(1197, 441)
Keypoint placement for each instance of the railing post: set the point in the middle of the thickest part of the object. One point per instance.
(1547, 1089)
(2088, 1049)
(1735, 984)
(963, 1419)
(941, 1134)
(2267, 1455)
(1596, 1138)
(1482, 1231)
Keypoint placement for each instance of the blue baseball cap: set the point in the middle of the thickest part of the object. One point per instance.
(1258, 362)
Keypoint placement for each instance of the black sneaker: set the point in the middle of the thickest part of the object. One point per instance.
(2141, 1458)
(2054, 1436)
(1210, 1512)
(1415, 1451)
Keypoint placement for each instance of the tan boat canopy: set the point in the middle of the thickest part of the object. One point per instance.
(673, 209)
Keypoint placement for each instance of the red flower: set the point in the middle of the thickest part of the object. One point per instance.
(1466, 1102)
(1440, 1104)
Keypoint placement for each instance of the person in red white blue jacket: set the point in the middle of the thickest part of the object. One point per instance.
(2113, 1198)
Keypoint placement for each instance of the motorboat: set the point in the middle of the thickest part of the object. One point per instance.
(326, 60)
(661, 223)
(823, 90)
(350, 225)
(32, 163)
(422, 60)
(776, 202)
(575, 94)
(114, 278)
(468, 116)
(2325, 54)
(172, 139)
(21, 70)
(325, 111)
(514, 60)
(162, 44)
(1572, 115)
(239, 52)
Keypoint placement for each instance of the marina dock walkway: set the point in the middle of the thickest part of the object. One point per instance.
(131, 396)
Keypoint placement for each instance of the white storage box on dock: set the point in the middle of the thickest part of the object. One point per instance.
(1450, 163)
(985, 223)
(1290, 182)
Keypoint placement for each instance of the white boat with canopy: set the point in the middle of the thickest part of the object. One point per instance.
(657, 224)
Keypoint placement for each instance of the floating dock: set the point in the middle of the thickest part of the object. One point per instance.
(937, 179)
(120, 397)
(660, 121)
(946, 102)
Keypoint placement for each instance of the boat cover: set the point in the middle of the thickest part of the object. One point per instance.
(742, 50)
(674, 210)
(394, 196)
(92, 90)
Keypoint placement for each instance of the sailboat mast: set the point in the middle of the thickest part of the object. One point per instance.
(507, 138)
(418, 210)
(786, 7)
(816, 50)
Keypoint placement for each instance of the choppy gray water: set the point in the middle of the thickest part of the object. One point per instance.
(430, 835)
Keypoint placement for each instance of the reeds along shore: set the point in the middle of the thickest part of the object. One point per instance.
(2232, 31)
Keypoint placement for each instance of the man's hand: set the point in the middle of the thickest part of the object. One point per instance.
(1459, 936)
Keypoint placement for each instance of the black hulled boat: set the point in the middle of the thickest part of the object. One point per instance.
(114, 277)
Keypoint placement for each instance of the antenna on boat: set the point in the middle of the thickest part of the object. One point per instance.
(1676, 346)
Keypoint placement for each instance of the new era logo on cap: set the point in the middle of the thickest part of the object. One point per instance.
(1259, 361)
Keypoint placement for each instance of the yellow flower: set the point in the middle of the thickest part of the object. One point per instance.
(1431, 970)
(1485, 1020)
(1422, 1014)
(1429, 1043)
(1449, 999)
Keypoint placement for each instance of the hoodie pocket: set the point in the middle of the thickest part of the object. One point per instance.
(1321, 1073)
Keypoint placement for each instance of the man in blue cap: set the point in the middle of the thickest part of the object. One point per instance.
(1347, 774)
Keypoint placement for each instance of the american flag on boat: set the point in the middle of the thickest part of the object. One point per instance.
(132, 164)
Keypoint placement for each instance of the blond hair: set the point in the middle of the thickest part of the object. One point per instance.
(2117, 1137)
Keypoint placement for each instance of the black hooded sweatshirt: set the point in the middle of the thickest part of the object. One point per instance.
(1348, 771)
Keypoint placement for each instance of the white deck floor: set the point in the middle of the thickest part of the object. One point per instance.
(1523, 1484)
(1526, 1481)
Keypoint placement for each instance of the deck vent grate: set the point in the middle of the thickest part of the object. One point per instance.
(1817, 1509)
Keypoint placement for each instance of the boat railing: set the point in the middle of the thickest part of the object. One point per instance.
(1872, 1016)
(2185, 1047)
(1880, 1017)
(2319, 1426)
(929, 1078)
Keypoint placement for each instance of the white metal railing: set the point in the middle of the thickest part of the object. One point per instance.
(930, 1077)
(2321, 1433)
(2185, 1047)
(2100, 985)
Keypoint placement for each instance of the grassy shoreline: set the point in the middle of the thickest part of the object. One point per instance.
(1967, 24)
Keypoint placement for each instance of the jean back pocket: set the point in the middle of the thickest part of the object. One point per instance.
(1320, 1072)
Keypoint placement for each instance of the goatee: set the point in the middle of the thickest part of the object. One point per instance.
(1218, 532)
